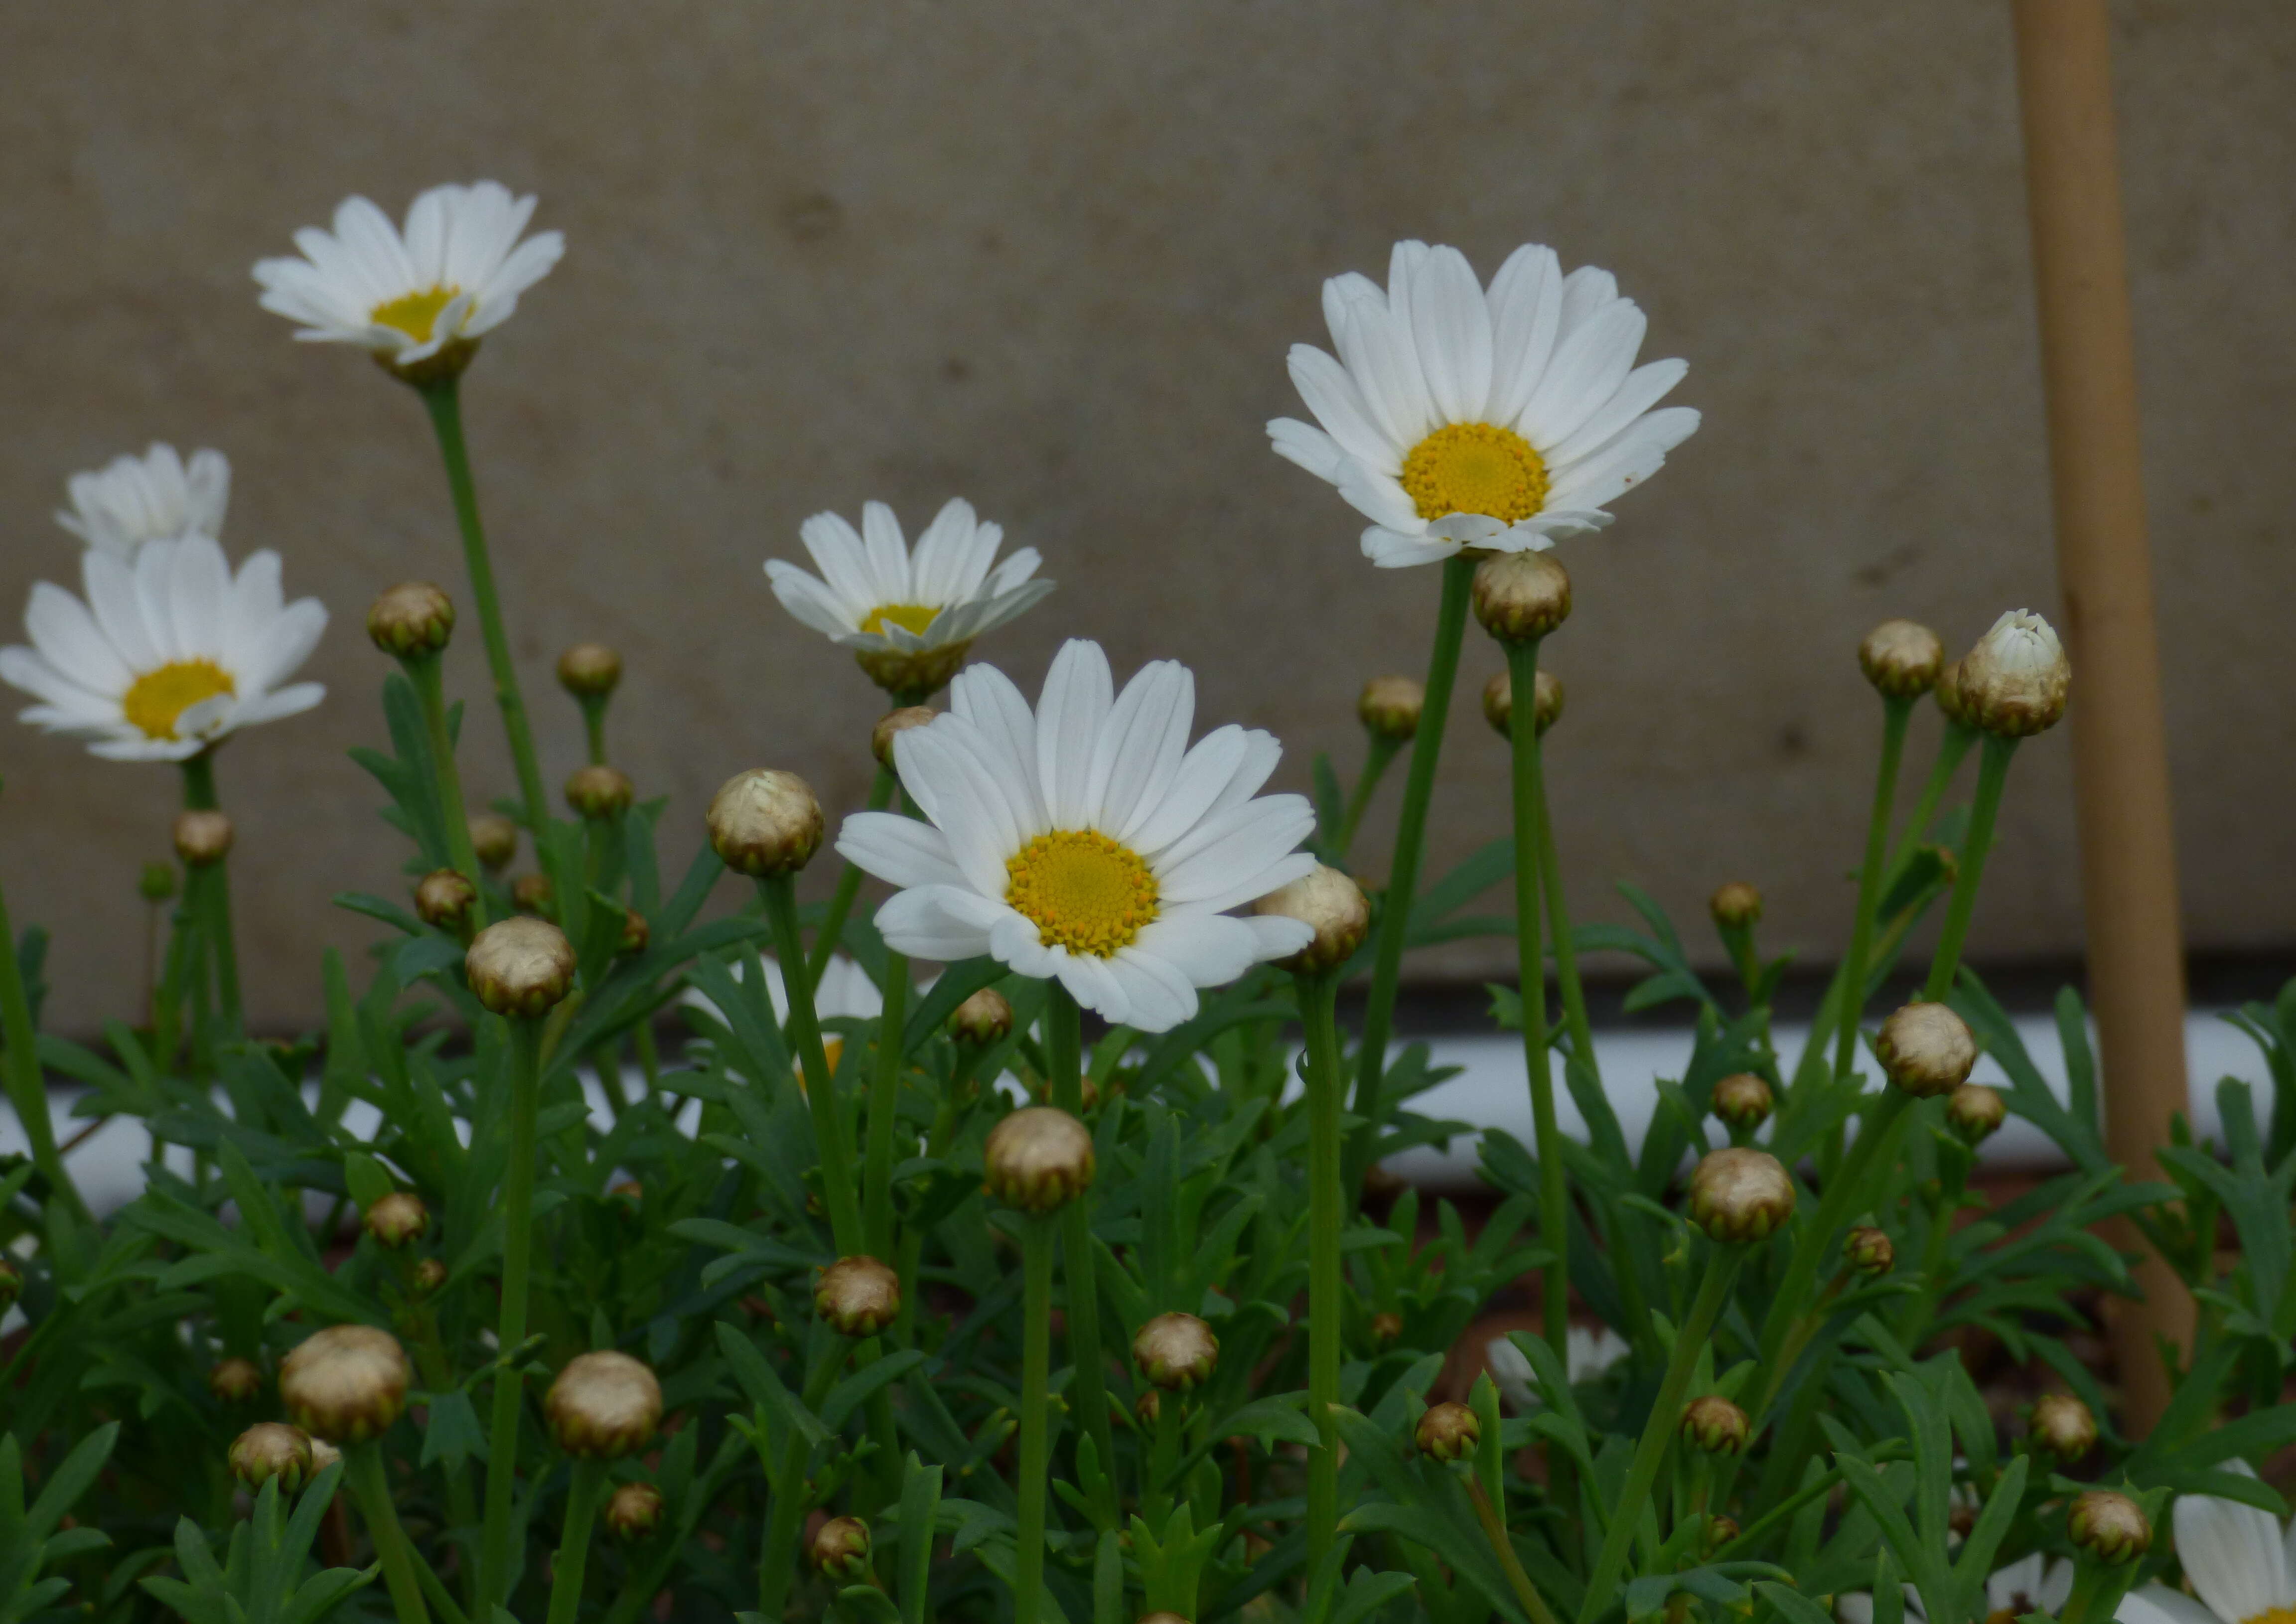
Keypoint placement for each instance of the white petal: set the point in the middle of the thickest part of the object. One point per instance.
(1159, 996)
(27, 668)
(1273, 937)
(1078, 693)
(1091, 983)
(1301, 443)
(939, 921)
(66, 637)
(2021, 1578)
(987, 698)
(2235, 1556)
(1380, 498)
(1380, 357)
(280, 652)
(1211, 949)
(119, 613)
(837, 554)
(1225, 858)
(1526, 303)
(1645, 387)
(1196, 783)
(1261, 752)
(808, 601)
(898, 850)
(199, 588)
(257, 600)
(1331, 395)
(939, 565)
(1140, 746)
(1451, 327)
(956, 789)
(1341, 291)
(1589, 364)
(1394, 549)
(290, 701)
(2156, 1603)
(887, 553)
(1633, 457)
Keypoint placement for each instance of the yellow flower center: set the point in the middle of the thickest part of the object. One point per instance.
(909, 617)
(2272, 1615)
(1082, 890)
(1475, 468)
(154, 700)
(412, 314)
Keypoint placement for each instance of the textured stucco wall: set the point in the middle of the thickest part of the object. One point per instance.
(1050, 256)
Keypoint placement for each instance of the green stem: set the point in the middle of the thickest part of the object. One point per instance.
(785, 1520)
(1659, 1430)
(1953, 1179)
(1844, 1193)
(422, 670)
(593, 725)
(211, 885)
(1992, 776)
(574, 1545)
(1379, 751)
(1530, 960)
(1895, 714)
(832, 1132)
(1036, 1403)
(27, 1088)
(510, 1334)
(1088, 1384)
(364, 1466)
(1954, 745)
(849, 887)
(1495, 1531)
(1326, 1218)
(1558, 929)
(444, 401)
(884, 1096)
(1410, 845)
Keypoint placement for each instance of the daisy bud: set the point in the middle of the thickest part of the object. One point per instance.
(764, 822)
(520, 966)
(397, 1220)
(892, 725)
(1161, 1617)
(589, 670)
(1447, 1432)
(1736, 906)
(411, 619)
(1328, 903)
(202, 836)
(603, 1406)
(1740, 1195)
(983, 1019)
(1716, 1426)
(1386, 1329)
(157, 882)
(1149, 1407)
(1719, 1531)
(1498, 703)
(636, 934)
(430, 1275)
(1176, 1351)
(1742, 1100)
(272, 1450)
(1901, 659)
(533, 893)
(1975, 1112)
(1926, 1049)
(1039, 1158)
(1521, 596)
(634, 1512)
(1948, 693)
(494, 838)
(2013, 682)
(2064, 1426)
(234, 1380)
(1389, 707)
(1383, 1182)
(346, 1383)
(324, 1455)
(12, 1284)
(859, 1296)
(600, 792)
(443, 900)
(904, 673)
(2109, 1527)
(840, 1548)
(1868, 1252)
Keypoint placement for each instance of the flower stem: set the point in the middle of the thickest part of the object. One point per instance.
(27, 1088)
(213, 884)
(849, 886)
(1531, 960)
(831, 1133)
(422, 671)
(1558, 927)
(1088, 1386)
(1992, 776)
(510, 1333)
(593, 726)
(1410, 844)
(1954, 745)
(1380, 750)
(785, 1520)
(1895, 714)
(1318, 993)
(574, 1545)
(884, 1096)
(1036, 1404)
(444, 401)
(364, 1466)
(1534, 1605)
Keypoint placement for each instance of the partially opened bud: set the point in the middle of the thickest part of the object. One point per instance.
(1498, 703)
(599, 792)
(324, 1455)
(603, 1406)
(1716, 1426)
(892, 725)
(346, 1383)
(1386, 1329)
(520, 967)
(1039, 1158)
(983, 1019)
(1735, 906)
(764, 822)
(1975, 1112)
(1742, 1100)
(1447, 1432)
(1926, 1049)
(1719, 1531)
(272, 1450)
(1868, 1252)
(397, 1220)
(1901, 659)
(1389, 708)
(1328, 903)
(859, 1296)
(2064, 1426)
(634, 1512)
(636, 934)
(1948, 693)
(589, 670)
(494, 838)
(413, 618)
(2109, 1527)
(443, 900)
(430, 1275)
(1148, 1408)
(840, 1549)
(1740, 1194)
(2013, 682)
(234, 1380)
(1520, 595)
(202, 836)
(1176, 1351)
(533, 893)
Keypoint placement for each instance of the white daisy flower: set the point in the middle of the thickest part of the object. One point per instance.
(156, 497)
(907, 617)
(2237, 1559)
(168, 654)
(425, 296)
(1457, 417)
(845, 991)
(1086, 841)
(1586, 1353)
(2034, 1583)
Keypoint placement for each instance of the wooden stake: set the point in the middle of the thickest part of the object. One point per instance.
(2121, 767)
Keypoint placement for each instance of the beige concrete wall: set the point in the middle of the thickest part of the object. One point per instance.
(1050, 255)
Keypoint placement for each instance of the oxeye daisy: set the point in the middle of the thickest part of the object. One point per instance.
(2031, 1584)
(1455, 416)
(1587, 1354)
(156, 497)
(845, 991)
(1086, 841)
(420, 299)
(907, 615)
(168, 654)
(2237, 1559)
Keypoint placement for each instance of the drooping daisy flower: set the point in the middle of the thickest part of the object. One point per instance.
(2237, 1558)
(420, 301)
(1457, 417)
(168, 654)
(1587, 1353)
(2034, 1583)
(907, 617)
(156, 497)
(845, 990)
(1086, 841)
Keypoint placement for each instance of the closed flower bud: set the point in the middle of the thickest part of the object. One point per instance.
(859, 1296)
(346, 1383)
(1389, 708)
(157, 882)
(1520, 595)
(2109, 1527)
(443, 900)
(1948, 693)
(533, 893)
(1328, 903)
(1975, 1112)
(1740, 1195)
(1736, 906)
(520, 967)
(412, 618)
(2064, 1426)
(202, 836)
(1161, 1617)
(1498, 703)
(1149, 1407)
(840, 1549)
(1868, 1252)
(1447, 1432)
(603, 1406)
(983, 1019)
(12, 1284)
(764, 822)
(494, 838)
(636, 934)
(1926, 1049)
(1901, 659)
(430, 1275)
(398, 1219)
(599, 792)
(1719, 1531)
(1716, 1426)
(1742, 1100)
(272, 1450)
(589, 670)
(234, 1380)
(1176, 1351)
(892, 725)
(1386, 1329)
(634, 1512)
(1039, 1158)
(2013, 682)
(324, 1455)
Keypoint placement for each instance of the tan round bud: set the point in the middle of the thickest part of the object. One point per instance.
(1948, 693)
(1735, 906)
(397, 1220)
(202, 836)
(636, 934)
(1386, 1329)
(859, 1296)
(589, 670)
(840, 1548)
(273, 1449)
(1383, 1182)
(1926, 1049)
(12, 1284)
(1719, 1531)
(443, 900)
(1716, 1426)
(1742, 1100)
(1328, 903)
(764, 822)
(1389, 708)
(1149, 1407)
(1868, 1251)
(1498, 703)
(430, 1275)
(234, 1380)
(2013, 683)
(1447, 1432)
(892, 725)
(324, 1455)
(1521, 596)
(412, 618)
(1975, 1112)
(346, 1384)
(1176, 1351)
(1740, 1195)
(2064, 1426)
(534, 893)
(2109, 1527)
(520, 966)
(495, 839)
(1901, 659)
(599, 792)
(1039, 1158)
(983, 1019)
(634, 1511)
(603, 1406)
